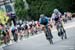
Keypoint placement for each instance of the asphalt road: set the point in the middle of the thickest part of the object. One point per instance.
(39, 41)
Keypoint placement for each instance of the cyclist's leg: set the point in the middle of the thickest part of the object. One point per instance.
(56, 24)
(44, 28)
(49, 32)
(64, 31)
(58, 29)
(49, 35)
(63, 27)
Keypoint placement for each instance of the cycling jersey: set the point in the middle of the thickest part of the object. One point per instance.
(56, 17)
(44, 20)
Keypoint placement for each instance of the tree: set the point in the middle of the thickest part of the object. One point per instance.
(20, 9)
(72, 6)
(37, 7)
(46, 7)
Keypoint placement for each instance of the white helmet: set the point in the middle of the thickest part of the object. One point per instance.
(55, 11)
(65, 13)
(42, 15)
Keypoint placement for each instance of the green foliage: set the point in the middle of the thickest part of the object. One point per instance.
(37, 7)
(72, 6)
(20, 9)
(46, 7)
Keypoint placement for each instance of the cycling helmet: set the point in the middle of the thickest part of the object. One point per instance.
(42, 15)
(55, 11)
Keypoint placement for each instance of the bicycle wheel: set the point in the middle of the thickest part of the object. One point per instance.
(49, 35)
(50, 41)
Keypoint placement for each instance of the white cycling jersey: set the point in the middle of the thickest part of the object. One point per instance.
(54, 15)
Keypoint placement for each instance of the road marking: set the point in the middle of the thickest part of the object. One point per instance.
(68, 47)
(72, 48)
(65, 46)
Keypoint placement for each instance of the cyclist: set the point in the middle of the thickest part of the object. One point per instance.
(44, 20)
(57, 18)
(3, 33)
(14, 32)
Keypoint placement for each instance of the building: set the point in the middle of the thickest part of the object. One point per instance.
(7, 5)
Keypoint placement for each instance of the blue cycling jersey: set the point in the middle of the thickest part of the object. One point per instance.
(44, 20)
